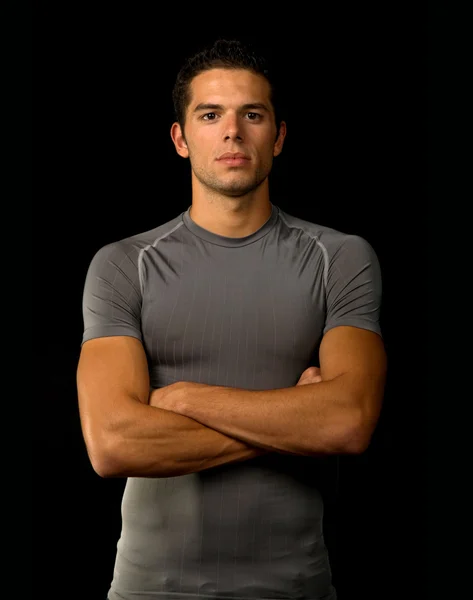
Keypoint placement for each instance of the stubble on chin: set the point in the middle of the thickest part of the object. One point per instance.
(234, 188)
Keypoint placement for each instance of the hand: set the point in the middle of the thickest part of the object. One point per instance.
(172, 397)
(164, 397)
(310, 375)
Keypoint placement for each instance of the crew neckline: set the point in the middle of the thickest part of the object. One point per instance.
(230, 242)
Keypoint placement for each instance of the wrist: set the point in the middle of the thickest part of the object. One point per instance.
(177, 395)
(186, 397)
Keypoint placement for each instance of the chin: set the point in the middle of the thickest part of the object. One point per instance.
(235, 192)
(239, 188)
(235, 184)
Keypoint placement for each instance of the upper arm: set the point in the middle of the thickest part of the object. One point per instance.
(357, 355)
(352, 347)
(353, 286)
(112, 375)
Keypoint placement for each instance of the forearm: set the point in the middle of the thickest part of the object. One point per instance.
(153, 442)
(307, 420)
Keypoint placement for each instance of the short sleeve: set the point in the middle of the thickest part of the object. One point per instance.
(111, 301)
(353, 285)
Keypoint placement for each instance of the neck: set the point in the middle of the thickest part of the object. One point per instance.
(231, 217)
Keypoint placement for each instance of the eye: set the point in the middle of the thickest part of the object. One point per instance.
(252, 116)
(209, 116)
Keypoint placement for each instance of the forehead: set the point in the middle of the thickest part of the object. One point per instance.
(221, 86)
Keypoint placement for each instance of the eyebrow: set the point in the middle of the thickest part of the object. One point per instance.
(252, 105)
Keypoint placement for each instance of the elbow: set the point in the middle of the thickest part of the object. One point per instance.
(357, 443)
(105, 467)
(106, 448)
(358, 438)
(349, 432)
(114, 458)
(104, 458)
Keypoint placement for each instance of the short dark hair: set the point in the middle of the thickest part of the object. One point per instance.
(227, 54)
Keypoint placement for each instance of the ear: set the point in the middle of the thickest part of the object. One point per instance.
(179, 140)
(280, 139)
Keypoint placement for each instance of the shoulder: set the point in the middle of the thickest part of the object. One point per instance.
(129, 249)
(332, 241)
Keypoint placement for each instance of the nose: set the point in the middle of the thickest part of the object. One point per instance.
(233, 129)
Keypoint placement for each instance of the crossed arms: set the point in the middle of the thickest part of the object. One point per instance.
(187, 427)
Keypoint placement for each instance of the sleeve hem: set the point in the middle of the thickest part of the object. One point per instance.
(104, 331)
(370, 326)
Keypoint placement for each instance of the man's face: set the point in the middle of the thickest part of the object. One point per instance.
(230, 131)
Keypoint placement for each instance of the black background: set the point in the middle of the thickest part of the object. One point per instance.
(107, 169)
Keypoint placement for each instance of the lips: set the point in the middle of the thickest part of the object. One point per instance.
(234, 155)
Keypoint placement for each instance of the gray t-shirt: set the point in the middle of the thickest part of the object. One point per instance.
(239, 312)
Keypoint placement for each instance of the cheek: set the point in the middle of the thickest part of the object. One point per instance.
(203, 145)
(199, 154)
(267, 152)
(266, 144)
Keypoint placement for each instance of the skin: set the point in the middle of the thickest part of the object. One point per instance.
(334, 416)
(228, 200)
(187, 427)
(338, 414)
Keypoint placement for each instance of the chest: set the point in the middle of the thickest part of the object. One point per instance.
(205, 304)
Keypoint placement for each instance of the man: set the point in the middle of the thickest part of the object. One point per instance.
(196, 334)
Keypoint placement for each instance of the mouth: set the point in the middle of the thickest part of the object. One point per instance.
(230, 155)
(234, 159)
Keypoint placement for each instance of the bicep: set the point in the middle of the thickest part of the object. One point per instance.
(112, 375)
(358, 355)
(351, 349)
